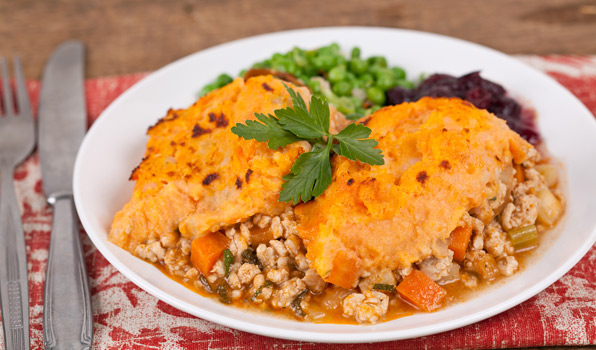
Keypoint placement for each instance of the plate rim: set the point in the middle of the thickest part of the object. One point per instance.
(302, 335)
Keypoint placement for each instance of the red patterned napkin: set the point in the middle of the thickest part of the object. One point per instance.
(128, 318)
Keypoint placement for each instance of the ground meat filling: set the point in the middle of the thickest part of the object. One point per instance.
(267, 266)
(367, 307)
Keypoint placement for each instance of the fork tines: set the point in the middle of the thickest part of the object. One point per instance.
(8, 103)
(17, 140)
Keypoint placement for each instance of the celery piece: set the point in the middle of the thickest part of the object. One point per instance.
(384, 287)
(523, 237)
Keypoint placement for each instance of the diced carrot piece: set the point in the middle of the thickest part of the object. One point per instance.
(519, 173)
(419, 290)
(459, 241)
(207, 249)
(345, 271)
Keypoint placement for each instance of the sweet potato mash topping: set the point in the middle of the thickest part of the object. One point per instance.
(443, 157)
(197, 176)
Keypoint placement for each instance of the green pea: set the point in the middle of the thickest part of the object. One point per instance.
(314, 85)
(290, 67)
(337, 74)
(324, 51)
(367, 79)
(207, 89)
(277, 57)
(222, 80)
(405, 84)
(385, 80)
(357, 101)
(354, 116)
(361, 111)
(324, 62)
(345, 105)
(355, 52)
(375, 95)
(303, 77)
(278, 66)
(242, 72)
(399, 73)
(358, 66)
(332, 49)
(260, 65)
(342, 88)
(340, 60)
(358, 113)
(357, 83)
(299, 57)
(376, 68)
(383, 70)
(377, 60)
(310, 70)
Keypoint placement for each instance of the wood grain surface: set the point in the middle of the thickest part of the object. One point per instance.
(143, 35)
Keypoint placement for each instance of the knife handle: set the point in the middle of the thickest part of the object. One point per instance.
(14, 290)
(67, 311)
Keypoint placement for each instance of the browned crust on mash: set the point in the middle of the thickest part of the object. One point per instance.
(429, 180)
(189, 180)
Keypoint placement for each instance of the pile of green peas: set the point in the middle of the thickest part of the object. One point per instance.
(356, 86)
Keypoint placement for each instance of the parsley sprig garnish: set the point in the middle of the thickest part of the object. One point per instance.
(311, 173)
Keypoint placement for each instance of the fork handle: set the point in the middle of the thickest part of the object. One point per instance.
(14, 290)
(67, 312)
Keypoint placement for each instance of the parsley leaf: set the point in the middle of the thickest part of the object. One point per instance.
(296, 98)
(302, 123)
(320, 113)
(354, 144)
(228, 260)
(268, 130)
(311, 173)
(310, 176)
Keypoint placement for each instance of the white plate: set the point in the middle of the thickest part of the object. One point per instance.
(116, 142)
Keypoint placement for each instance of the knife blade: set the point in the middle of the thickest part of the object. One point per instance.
(67, 317)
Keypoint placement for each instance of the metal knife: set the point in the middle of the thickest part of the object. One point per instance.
(67, 312)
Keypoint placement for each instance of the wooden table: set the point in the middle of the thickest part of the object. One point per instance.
(133, 36)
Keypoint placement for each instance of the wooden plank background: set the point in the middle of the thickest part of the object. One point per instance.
(143, 35)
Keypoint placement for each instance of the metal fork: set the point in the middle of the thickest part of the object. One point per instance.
(17, 139)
